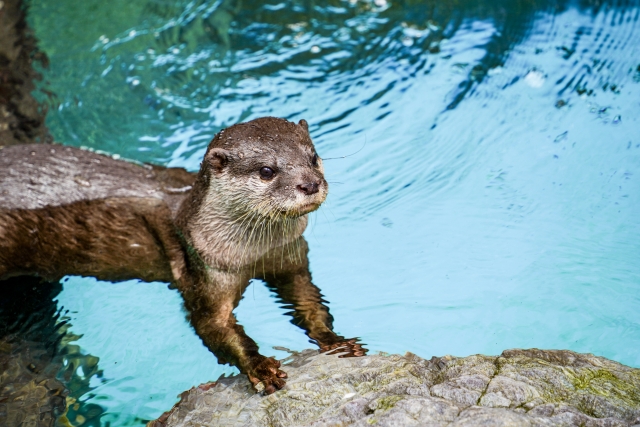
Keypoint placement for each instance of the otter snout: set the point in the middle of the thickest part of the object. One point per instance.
(309, 188)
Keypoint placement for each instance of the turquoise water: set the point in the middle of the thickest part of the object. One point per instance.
(493, 200)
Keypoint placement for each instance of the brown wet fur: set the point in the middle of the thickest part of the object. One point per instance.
(110, 239)
(66, 211)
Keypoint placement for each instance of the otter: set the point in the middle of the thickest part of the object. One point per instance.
(68, 211)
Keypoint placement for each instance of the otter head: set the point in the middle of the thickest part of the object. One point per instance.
(267, 168)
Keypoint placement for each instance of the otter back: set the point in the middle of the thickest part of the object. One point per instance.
(64, 210)
(36, 175)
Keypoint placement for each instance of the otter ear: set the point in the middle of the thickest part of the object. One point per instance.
(217, 158)
(304, 124)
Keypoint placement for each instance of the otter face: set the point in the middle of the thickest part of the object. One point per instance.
(267, 167)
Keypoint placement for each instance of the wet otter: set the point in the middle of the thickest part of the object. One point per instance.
(66, 211)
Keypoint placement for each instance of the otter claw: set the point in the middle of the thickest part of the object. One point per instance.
(345, 348)
(266, 377)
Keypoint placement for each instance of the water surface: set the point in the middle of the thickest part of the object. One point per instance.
(493, 201)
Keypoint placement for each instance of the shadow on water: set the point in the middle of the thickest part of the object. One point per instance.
(355, 38)
(193, 68)
(44, 376)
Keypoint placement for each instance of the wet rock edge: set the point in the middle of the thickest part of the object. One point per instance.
(520, 387)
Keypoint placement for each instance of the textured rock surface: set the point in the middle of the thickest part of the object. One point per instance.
(517, 388)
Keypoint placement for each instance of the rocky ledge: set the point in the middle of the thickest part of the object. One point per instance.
(518, 388)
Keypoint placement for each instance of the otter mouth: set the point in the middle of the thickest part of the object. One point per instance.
(308, 207)
(301, 210)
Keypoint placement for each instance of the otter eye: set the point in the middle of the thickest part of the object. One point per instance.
(314, 160)
(266, 173)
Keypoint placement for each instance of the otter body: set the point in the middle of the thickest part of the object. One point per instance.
(66, 211)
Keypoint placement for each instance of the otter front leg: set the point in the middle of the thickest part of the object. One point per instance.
(292, 283)
(211, 302)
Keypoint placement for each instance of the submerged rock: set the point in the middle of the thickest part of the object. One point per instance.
(22, 117)
(518, 388)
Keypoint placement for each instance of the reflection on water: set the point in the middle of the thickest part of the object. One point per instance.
(495, 203)
(44, 375)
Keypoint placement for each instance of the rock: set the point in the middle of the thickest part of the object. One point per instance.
(22, 118)
(518, 388)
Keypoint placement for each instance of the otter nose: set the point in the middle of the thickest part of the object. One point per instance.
(309, 188)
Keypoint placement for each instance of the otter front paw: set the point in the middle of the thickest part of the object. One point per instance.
(346, 348)
(265, 375)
